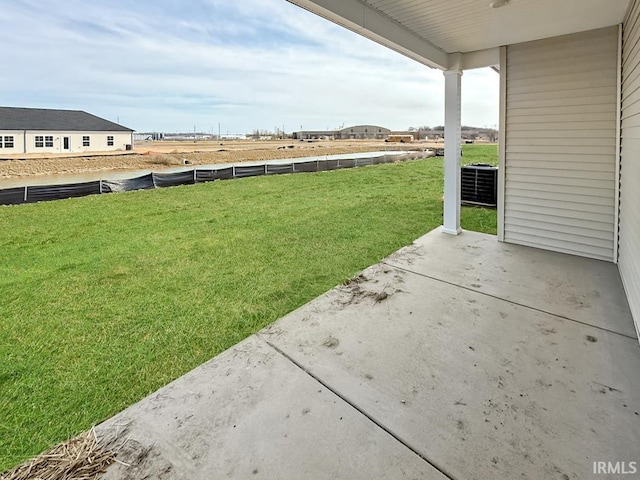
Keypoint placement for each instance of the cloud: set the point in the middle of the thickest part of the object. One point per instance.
(168, 66)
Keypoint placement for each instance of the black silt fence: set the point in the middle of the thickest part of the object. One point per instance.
(214, 174)
(42, 193)
(13, 196)
(38, 193)
(278, 168)
(324, 165)
(306, 166)
(174, 179)
(144, 182)
(205, 176)
(224, 173)
(243, 171)
(347, 163)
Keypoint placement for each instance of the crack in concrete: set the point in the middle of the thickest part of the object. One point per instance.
(557, 315)
(403, 442)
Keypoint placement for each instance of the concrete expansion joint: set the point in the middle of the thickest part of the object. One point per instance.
(357, 409)
(529, 307)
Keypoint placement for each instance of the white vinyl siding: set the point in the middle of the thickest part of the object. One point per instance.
(11, 142)
(560, 158)
(629, 250)
(53, 141)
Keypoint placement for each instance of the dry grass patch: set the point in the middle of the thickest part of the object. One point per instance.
(81, 458)
(162, 159)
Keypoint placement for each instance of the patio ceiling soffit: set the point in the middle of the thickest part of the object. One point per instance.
(372, 24)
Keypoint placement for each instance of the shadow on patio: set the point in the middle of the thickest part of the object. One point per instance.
(456, 357)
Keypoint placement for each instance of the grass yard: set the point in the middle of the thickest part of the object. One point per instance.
(479, 153)
(104, 299)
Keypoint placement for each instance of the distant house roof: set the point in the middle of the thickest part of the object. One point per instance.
(363, 127)
(55, 120)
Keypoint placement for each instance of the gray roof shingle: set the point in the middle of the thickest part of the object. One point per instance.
(12, 118)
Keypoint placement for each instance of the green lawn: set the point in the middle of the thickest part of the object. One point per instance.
(104, 299)
(479, 153)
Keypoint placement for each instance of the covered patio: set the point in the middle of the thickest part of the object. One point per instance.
(457, 357)
(569, 146)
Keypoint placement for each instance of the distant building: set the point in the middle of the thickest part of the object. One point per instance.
(357, 132)
(36, 130)
(400, 138)
(315, 135)
(414, 133)
(363, 132)
(233, 136)
(148, 136)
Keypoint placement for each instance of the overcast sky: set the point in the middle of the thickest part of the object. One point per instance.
(170, 65)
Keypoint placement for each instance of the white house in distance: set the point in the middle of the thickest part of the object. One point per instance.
(36, 130)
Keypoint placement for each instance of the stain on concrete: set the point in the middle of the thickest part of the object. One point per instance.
(356, 288)
(331, 342)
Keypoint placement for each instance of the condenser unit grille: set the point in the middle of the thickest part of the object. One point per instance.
(480, 185)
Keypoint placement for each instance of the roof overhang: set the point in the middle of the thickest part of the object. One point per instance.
(464, 34)
(372, 24)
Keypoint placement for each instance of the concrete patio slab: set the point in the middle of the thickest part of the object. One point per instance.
(401, 374)
(481, 387)
(585, 290)
(251, 413)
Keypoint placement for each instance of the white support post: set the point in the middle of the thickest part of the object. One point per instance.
(452, 152)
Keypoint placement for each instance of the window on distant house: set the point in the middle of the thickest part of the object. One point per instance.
(39, 141)
(48, 141)
(110, 141)
(366, 130)
(8, 141)
(85, 141)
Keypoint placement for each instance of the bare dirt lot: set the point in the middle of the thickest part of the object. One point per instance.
(169, 154)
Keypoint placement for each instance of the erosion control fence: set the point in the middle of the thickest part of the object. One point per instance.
(41, 193)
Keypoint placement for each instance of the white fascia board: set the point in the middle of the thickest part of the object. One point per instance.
(370, 23)
(481, 59)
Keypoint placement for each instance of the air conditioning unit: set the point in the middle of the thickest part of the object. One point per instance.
(480, 185)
